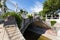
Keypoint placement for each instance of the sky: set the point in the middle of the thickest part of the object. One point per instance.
(28, 5)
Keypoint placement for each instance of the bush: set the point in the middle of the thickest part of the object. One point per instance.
(17, 17)
(44, 19)
(52, 23)
(0, 5)
(30, 16)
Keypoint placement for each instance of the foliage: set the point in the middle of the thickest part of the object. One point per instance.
(42, 13)
(50, 6)
(17, 17)
(52, 22)
(0, 17)
(44, 19)
(22, 11)
(30, 16)
(0, 5)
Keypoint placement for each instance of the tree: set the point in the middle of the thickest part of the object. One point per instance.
(50, 6)
(23, 12)
(30, 16)
(0, 5)
(42, 13)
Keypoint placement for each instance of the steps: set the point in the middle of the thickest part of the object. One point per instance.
(1, 31)
(14, 33)
(3, 34)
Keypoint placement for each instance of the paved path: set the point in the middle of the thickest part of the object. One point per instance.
(12, 34)
(3, 34)
(51, 35)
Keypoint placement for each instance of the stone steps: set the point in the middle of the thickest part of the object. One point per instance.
(3, 34)
(14, 33)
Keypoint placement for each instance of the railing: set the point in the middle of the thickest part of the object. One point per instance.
(25, 25)
(27, 22)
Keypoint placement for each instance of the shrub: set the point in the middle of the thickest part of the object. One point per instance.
(0, 5)
(44, 19)
(52, 23)
(30, 16)
(17, 17)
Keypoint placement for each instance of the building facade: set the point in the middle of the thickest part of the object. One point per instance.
(54, 17)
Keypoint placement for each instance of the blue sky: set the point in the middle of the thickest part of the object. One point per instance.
(28, 5)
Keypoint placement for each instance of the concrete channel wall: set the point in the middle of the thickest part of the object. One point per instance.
(9, 30)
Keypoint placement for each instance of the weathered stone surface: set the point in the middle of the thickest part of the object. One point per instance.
(10, 31)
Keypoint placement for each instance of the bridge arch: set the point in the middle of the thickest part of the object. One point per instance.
(30, 30)
(35, 23)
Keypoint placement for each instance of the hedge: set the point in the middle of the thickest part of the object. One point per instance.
(30, 16)
(52, 22)
(0, 5)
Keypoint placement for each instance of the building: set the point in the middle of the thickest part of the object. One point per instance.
(56, 26)
(54, 17)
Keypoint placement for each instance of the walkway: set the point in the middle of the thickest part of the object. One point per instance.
(3, 34)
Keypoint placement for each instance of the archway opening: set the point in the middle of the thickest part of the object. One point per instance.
(33, 32)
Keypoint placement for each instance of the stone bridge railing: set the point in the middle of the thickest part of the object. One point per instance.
(26, 22)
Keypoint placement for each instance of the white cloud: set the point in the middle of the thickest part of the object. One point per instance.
(37, 7)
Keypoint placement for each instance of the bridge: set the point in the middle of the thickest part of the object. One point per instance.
(37, 26)
(35, 21)
(12, 31)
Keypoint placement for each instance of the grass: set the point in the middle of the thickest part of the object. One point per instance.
(52, 23)
(43, 38)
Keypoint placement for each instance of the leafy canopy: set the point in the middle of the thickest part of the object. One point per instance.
(50, 6)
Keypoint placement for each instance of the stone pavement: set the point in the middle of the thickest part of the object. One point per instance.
(14, 35)
(3, 34)
(51, 35)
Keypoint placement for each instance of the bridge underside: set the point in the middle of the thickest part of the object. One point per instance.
(35, 30)
(40, 24)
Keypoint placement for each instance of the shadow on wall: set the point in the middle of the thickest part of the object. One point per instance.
(33, 32)
(1, 21)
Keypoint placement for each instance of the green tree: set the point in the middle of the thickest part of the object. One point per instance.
(23, 11)
(42, 13)
(50, 6)
(30, 16)
(0, 5)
